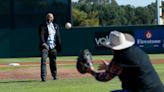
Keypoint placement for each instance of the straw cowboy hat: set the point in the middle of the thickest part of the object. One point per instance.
(118, 40)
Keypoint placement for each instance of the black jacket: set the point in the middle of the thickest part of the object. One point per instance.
(138, 74)
(43, 34)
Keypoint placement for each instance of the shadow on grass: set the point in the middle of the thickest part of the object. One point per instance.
(21, 81)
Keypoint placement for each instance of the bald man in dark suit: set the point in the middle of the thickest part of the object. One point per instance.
(50, 44)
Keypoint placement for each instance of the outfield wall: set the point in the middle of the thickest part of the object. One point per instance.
(24, 42)
(149, 38)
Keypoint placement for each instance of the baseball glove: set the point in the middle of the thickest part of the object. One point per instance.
(84, 61)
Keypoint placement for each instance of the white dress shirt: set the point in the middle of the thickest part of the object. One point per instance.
(51, 37)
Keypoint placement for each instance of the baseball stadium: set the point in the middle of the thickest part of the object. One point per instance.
(20, 55)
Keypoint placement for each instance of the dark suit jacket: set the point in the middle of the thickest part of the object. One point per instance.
(43, 34)
(138, 74)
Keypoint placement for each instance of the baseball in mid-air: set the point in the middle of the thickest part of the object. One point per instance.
(68, 25)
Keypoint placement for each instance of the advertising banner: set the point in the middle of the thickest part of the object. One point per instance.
(99, 38)
(150, 40)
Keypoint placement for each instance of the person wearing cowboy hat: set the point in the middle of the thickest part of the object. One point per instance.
(131, 64)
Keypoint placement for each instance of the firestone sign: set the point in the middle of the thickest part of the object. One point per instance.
(150, 39)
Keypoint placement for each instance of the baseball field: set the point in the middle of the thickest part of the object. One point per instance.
(26, 76)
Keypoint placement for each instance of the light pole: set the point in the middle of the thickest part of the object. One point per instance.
(159, 12)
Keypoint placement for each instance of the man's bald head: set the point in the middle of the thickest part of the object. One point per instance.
(50, 17)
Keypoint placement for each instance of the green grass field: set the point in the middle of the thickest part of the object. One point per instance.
(70, 58)
(88, 84)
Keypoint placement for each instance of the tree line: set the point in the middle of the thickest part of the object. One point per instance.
(111, 14)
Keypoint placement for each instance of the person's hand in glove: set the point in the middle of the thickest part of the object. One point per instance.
(84, 62)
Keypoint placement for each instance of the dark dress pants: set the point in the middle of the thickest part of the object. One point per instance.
(51, 53)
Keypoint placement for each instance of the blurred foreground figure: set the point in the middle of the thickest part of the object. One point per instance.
(131, 64)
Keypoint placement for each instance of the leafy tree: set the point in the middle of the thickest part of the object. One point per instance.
(78, 17)
(107, 14)
(83, 19)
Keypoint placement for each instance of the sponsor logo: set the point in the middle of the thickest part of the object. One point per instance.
(148, 39)
(101, 40)
(148, 35)
(141, 41)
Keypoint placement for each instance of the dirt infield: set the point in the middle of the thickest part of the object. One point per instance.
(34, 73)
(31, 70)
